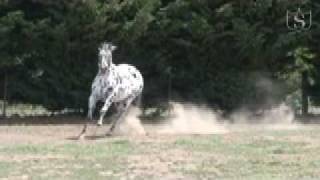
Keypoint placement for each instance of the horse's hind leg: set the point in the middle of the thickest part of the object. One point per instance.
(123, 110)
(115, 117)
(92, 104)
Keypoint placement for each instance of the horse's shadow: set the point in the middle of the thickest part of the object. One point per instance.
(89, 137)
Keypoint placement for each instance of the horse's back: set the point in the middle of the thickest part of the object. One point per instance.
(130, 82)
(130, 74)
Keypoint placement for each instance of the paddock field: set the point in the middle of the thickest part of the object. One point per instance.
(242, 152)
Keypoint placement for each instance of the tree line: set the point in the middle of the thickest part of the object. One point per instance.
(223, 53)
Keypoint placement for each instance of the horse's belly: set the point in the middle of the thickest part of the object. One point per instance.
(125, 92)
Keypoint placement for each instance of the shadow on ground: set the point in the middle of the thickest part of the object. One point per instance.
(89, 137)
(45, 120)
(77, 119)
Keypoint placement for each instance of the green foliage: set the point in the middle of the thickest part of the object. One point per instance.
(216, 50)
(303, 61)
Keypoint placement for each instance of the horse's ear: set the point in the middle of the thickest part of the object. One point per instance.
(113, 48)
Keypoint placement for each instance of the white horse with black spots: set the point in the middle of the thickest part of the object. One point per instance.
(119, 84)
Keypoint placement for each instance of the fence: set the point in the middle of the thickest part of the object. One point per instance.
(27, 110)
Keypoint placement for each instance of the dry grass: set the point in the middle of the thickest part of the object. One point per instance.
(245, 152)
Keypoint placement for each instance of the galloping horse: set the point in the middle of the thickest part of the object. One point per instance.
(119, 84)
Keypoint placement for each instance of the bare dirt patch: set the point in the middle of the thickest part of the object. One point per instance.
(17, 134)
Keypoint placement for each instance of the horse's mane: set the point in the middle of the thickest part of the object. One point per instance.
(105, 46)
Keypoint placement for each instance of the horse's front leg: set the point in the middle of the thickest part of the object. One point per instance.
(105, 108)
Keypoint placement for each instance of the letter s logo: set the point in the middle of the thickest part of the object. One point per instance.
(299, 20)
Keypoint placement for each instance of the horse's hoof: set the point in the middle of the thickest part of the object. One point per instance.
(99, 124)
(81, 137)
(109, 134)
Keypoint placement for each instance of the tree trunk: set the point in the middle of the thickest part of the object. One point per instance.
(169, 92)
(4, 107)
(304, 95)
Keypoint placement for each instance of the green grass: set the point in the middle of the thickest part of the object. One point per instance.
(253, 156)
(66, 161)
(72, 149)
(287, 154)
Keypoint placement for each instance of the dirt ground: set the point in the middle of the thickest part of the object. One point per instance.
(238, 152)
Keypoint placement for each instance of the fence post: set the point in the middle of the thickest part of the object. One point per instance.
(4, 107)
(304, 89)
(169, 71)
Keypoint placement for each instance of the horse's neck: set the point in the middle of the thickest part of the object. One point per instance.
(106, 72)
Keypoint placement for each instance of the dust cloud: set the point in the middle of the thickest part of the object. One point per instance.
(188, 118)
(280, 114)
(278, 117)
(132, 124)
(192, 119)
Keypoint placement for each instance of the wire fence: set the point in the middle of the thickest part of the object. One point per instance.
(27, 110)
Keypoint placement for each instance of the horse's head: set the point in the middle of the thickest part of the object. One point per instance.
(105, 55)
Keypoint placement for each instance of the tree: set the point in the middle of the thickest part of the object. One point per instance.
(218, 52)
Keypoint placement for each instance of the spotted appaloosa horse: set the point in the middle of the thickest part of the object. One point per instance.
(119, 84)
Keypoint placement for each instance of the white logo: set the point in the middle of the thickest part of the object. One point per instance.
(298, 21)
